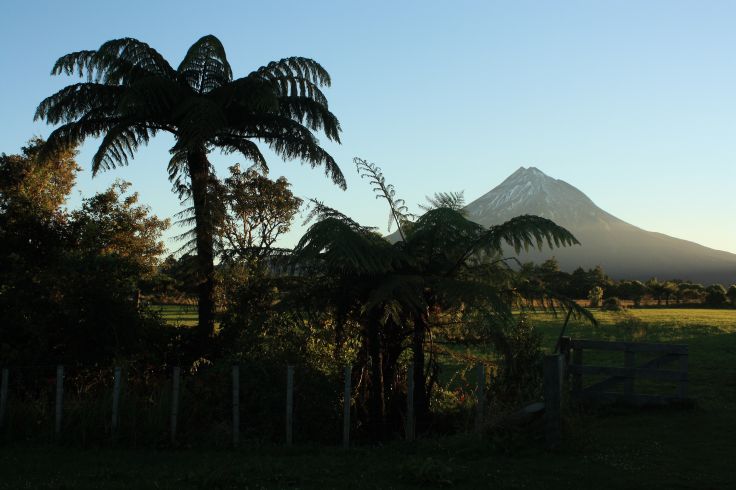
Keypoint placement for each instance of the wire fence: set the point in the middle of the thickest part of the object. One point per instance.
(221, 406)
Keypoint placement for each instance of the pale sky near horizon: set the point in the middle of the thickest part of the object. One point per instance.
(632, 102)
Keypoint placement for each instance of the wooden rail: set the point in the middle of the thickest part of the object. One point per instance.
(629, 373)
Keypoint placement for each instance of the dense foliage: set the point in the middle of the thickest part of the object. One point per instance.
(69, 279)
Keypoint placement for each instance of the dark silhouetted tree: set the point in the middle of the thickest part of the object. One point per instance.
(715, 295)
(132, 93)
(731, 293)
(444, 262)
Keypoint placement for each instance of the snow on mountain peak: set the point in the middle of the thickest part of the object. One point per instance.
(530, 191)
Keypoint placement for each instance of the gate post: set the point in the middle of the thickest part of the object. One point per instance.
(553, 400)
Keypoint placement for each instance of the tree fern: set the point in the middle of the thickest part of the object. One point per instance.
(131, 93)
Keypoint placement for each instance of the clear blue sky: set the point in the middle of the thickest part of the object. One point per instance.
(632, 102)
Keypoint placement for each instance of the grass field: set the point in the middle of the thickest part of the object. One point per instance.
(177, 315)
(604, 448)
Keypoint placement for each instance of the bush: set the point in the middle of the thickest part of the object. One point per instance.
(519, 378)
(264, 341)
(612, 304)
(633, 329)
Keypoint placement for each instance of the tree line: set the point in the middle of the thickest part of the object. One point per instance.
(596, 286)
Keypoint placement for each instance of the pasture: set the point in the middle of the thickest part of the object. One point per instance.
(611, 447)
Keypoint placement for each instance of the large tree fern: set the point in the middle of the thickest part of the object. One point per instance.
(132, 93)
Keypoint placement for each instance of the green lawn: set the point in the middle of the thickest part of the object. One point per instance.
(177, 315)
(603, 448)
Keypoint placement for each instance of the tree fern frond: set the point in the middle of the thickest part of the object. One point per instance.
(290, 140)
(198, 119)
(296, 67)
(398, 212)
(320, 211)
(119, 144)
(121, 61)
(527, 231)
(74, 133)
(177, 169)
(151, 97)
(315, 115)
(74, 101)
(76, 62)
(205, 66)
(397, 295)
(233, 143)
(451, 200)
(246, 96)
(340, 246)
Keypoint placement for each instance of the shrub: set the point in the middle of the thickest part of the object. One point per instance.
(633, 329)
(519, 378)
(612, 304)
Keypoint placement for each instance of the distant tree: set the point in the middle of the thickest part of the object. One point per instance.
(176, 277)
(715, 295)
(132, 93)
(598, 277)
(595, 296)
(690, 292)
(632, 290)
(657, 289)
(255, 212)
(731, 293)
(552, 278)
(582, 281)
(550, 266)
(579, 285)
(669, 290)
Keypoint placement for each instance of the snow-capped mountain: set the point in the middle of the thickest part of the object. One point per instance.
(623, 250)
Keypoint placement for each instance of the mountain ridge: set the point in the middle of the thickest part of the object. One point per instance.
(625, 251)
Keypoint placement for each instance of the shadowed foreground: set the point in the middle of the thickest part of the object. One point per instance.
(658, 449)
(606, 448)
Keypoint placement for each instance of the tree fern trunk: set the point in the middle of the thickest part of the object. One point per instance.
(377, 405)
(199, 168)
(421, 400)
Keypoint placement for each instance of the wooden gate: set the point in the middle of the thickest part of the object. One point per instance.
(621, 385)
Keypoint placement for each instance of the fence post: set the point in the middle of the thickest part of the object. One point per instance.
(289, 404)
(682, 391)
(174, 401)
(347, 396)
(629, 363)
(59, 398)
(115, 400)
(577, 378)
(552, 400)
(480, 395)
(410, 403)
(565, 346)
(4, 396)
(236, 405)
